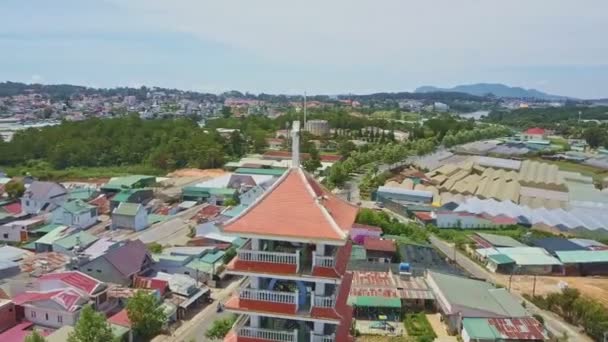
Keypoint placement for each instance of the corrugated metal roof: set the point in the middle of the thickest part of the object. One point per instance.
(581, 257)
(501, 259)
(500, 240)
(389, 190)
(382, 302)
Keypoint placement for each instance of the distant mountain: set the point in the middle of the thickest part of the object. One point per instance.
(497, 89)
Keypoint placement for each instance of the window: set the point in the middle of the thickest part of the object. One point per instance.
(89, 270)
(98, 271)
(46, 316)
(33, 314)
(5, 236)
(27, 203)
(188, 273)
(59, 319)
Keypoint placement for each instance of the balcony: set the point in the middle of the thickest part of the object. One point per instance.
(323, 301)
(253, 261)
(314, 337)
(268, 335)
(323, 261)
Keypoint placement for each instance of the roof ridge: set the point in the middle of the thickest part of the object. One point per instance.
(324, 211)
(258, 200)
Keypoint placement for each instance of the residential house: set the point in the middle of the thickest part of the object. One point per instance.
(76, 213)
(130, 216)
(18, 231)
(525, 329)
(95, 290)
(196, 262)
(118, 264)
(54, 308)
(534, 133)
(8, 316)
(359, 232)
(117, 184)
(43, 197)
(141, 196)
(74, 243)
(380, 250)
(458, 298)
(45, 243)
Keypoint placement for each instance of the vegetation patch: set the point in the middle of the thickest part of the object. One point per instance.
(418, 326)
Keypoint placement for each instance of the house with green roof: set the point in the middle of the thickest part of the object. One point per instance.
(130, 216)
(45, 243)
(142, 196)
(71, 243)
(216, 196)
(458, 298)
(75, 213)
(202, 265)
(84, 194)
(117, 184)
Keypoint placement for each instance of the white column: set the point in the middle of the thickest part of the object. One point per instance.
(254, 321)
(295, 144)
(320, 249)
(320, 289)
(255, 244)
(254, 282)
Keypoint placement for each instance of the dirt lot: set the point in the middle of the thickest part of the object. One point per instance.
(198, 173)
(593, 287)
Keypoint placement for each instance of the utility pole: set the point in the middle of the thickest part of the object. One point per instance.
(534, 287)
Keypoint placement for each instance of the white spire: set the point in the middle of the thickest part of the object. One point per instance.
(295, 144)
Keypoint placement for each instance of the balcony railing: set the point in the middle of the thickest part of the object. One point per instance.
(270, 296)
(267, 334)
(323, 301)
(273, 257)
(323, 261)
(314, 337)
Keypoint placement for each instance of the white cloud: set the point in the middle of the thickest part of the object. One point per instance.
(36, 79)
(410, 35)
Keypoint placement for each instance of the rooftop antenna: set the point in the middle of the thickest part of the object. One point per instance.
(295, 144)
(579, 116)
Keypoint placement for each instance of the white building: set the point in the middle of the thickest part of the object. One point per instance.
(130, 216)
(43, 196)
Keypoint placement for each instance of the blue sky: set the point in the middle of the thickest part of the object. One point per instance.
(278, 46)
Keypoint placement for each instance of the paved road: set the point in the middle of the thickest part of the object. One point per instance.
(175, 228)
(552, 322)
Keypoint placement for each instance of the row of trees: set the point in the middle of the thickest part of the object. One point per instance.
(578, 310)
(464, 136)
(340, 172)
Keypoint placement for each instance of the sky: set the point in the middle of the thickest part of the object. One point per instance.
(317, 46)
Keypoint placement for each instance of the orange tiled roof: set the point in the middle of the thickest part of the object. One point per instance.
(296, 206)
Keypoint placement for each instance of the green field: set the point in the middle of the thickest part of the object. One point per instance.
(391, 114)
(43, 171)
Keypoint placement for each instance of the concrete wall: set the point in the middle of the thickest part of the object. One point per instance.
(12, 233)
(82, 221)
(33, 207)
(8, 317)
(100, 269)
(39, 315)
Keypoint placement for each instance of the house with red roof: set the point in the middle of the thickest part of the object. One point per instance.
(359, 232)
(535, 133)
(54, 308)
(380, 250)
(87, 286)
(295, 261)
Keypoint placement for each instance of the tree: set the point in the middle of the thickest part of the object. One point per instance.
(595, 136)
(231, 202)
(91, 327)
(314, 162)
(14, 189)
(230, 253)
(146, 315)
(220, 328)
(155, 247)
(237, 145)
(345, 148)
(226, 112)
(34, 337)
